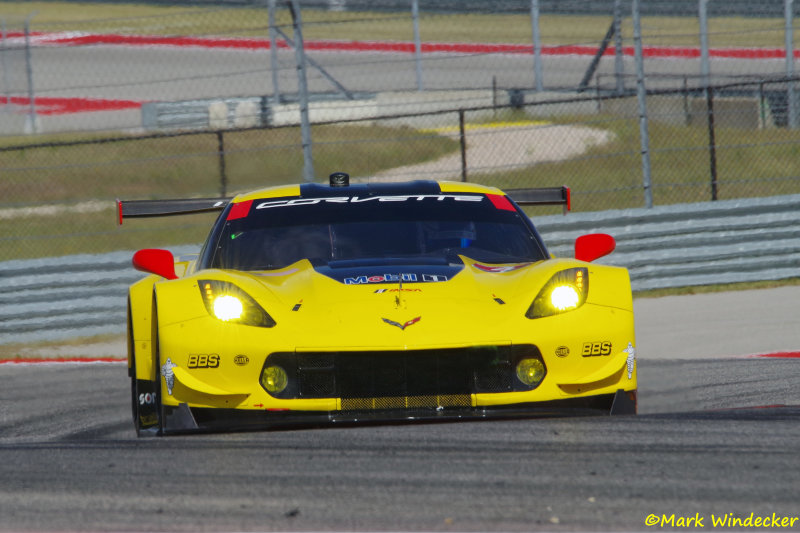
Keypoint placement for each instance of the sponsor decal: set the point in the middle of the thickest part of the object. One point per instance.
(201, 360)
(433, 278)
(380, 278)
(169, 375)
(147, 398)
(594, 349)
(148, 420)
(358, 200)
(562, 351)
(241, 360)
(631, 361)
(297, 306)
(381, 291)
(499, 269)
(402, 326)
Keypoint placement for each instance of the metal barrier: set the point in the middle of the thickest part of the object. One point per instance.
(667, 246)
(728, 241)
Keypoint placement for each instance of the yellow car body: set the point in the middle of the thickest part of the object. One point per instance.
(374, 341)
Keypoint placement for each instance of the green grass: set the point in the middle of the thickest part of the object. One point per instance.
(134, 18)
(750, 163)
(189, 164)
(175, 167)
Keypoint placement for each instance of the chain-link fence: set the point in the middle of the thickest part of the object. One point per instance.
(155, 101)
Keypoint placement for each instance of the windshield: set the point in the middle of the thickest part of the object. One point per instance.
(422, 229)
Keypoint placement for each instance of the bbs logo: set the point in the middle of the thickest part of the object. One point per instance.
(592, 349)
(201, 360)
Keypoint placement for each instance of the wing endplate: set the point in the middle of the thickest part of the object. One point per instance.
(542, 196)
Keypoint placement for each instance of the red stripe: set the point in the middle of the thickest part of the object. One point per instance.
(780, 355)
(46, 105)
(407, 47)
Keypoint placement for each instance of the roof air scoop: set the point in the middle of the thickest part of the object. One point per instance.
(339, 179)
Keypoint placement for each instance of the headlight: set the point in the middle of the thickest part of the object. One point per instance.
(229, 303)
(565, 291)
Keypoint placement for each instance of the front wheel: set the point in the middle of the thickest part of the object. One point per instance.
(145, 400)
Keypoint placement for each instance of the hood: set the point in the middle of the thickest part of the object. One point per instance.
(444, 304)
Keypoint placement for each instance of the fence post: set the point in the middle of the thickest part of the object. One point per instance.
(712, 142)
(302, 86)
(3, 67)
(537, 46)
(641, 94)
(417, 43)
(30, 124)
(791, 97)
(619, 64)
(463, 141)
(705, 66)
(223, 177)
(273, 51)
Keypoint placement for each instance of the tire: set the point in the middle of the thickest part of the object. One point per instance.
(159, 388)
(145, 397)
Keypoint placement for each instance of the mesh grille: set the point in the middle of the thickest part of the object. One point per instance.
(406, 379)
(406, 402)
(316, 384)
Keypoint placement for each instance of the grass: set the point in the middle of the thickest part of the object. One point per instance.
(750, 163)
(607, 176)
(174, 167)
(189, 164)
(320, 24)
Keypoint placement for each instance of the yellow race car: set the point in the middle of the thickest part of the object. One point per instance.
(319, 304)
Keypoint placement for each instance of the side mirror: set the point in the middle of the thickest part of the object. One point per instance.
(154, 261)
(593, 246)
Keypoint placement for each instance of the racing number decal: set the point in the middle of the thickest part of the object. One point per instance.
(203, 360)
(592, 349)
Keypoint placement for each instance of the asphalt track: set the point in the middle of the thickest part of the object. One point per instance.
(715, 435)
(77, 76)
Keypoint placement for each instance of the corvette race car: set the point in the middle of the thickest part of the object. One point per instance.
(316, 304)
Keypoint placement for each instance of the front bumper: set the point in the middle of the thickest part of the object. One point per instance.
(185, 419)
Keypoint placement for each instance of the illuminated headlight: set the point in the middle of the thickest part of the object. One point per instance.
(274, 379)
(229, 303)
(565, 291)
(228, 307)
(530, 372)
(565, 297)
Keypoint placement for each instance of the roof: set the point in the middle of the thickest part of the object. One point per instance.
(316, 190)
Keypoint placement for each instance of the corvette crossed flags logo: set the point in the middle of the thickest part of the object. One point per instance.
(402, 326)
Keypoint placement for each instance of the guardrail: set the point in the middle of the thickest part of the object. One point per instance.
(668, 246)
(683, 245)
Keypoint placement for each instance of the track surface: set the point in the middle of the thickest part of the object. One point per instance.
(704, 443)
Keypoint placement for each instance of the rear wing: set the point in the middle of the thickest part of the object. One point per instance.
(189, 206)
(162, 208)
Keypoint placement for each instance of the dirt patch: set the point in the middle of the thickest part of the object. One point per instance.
(499, 147)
